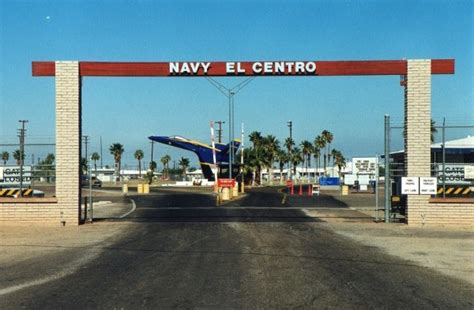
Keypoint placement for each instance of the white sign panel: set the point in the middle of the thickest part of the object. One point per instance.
(10, 176)
(366, 165)
(428, 186)
(469, 172)
(454, 174)
(410, 185)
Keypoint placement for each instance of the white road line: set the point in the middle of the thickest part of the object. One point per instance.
(134, 207)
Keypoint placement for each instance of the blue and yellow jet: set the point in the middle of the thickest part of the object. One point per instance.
(204, 152)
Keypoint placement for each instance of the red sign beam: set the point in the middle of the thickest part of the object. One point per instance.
(278, 68)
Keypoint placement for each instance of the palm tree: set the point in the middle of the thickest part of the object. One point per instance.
(289, 143)
(320, 143)
(328, 137)
(282, 158)
(339, 160)
(271, 145)
(433, 130)
(95, 157)
(116, 149)
(296, 158)
(306, 150)
(18, 156)
(257, 153)
(184, 163)
(139, 156)
(250, 164)
(165, 161)
(317, 156)
(5, 157)
(152, 165)
(84, 163)
(256, 139)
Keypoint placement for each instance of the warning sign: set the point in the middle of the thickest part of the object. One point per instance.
(10, 176)
(428, 186)
(410, 185)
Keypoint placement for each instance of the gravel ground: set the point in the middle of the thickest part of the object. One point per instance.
(447, 250)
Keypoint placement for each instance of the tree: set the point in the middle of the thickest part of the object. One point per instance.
(95, 157)
(282, 158)
(165, 161)
(153, 165)
(317, 157)
(339, 160)
(320, 143)
(18, 157)
(139, 156)
(296, 158)
(328, 137)
(184, 163)
(46, 167)
(433, 130)
(306, 150)
(5, 157)
(271, 145)
(84, 162)
(257, 153)
(116, 149)
(151, 172)
(289, 143)
(250, 164)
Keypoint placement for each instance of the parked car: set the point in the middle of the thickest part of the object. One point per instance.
(95, 181)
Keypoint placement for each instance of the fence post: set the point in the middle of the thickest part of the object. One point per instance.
(388, 183)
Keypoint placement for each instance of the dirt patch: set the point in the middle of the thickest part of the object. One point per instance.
(447, 250)
(21, 242)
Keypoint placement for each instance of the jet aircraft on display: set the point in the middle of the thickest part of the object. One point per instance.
(204, 153)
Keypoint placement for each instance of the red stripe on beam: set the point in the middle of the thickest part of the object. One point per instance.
(324, 68)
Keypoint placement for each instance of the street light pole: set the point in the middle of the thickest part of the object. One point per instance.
(290, 164)
(229, 93)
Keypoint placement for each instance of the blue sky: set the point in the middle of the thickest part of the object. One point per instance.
(128, 110)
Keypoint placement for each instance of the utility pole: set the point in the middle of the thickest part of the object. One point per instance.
(219, 131)
(21, 135)
(290, 164)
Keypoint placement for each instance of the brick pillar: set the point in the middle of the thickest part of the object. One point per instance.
(68, 144)
(418, 133)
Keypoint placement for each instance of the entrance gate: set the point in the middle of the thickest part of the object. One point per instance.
(68, 74)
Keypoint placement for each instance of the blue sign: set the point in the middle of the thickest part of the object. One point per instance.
(329, 181)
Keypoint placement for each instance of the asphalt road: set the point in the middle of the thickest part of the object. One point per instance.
(185, 253)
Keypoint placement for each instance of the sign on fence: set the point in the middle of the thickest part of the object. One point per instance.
(454, 173)
(10, 176)
(410, 185)
(469, 172)
(428, 186)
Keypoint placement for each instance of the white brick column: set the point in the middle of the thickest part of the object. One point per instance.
(418, 133)
(68, 144)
